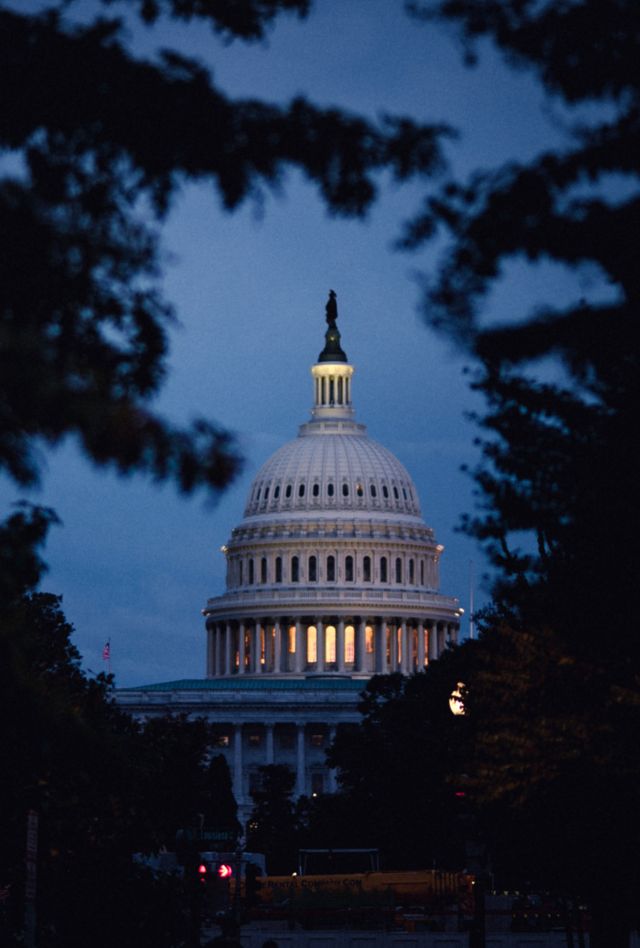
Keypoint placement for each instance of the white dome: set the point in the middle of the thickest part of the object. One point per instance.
(332, 466)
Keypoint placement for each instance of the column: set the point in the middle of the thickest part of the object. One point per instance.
(277, 647)
(210, 654)
(300, 648)
(361, 655)
(269, 742)
(340, 645)
(218, 649)
(404, 647)
(228, 650)
(380, 647)
(433, 641)
(238, 789)
(421, 645)
(300, 763)
(241, 654)
(320, 645)
(255, 647)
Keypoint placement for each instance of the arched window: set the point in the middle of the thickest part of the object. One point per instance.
(412, 571)
(301, 490)
(331, 569)
(251, 572)
(374, 491)
(348, 569)
(313, 569)
(263, 569)
(278, 569)
(295, 569)
(312, 644)
(330, 490)
(383, 569)
(349, 644)
(266, 493)
(398, 570)
(366, 569)
(276, 491)
(359, 490)
(345, 490)
(316, 490)
(422, 572)
(385, 491)
(288, 490)
(330, 644)
(395, 493)
(258, 494)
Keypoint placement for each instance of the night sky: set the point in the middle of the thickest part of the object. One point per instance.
(135, 563)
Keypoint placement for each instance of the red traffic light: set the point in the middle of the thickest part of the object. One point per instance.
(225, 871)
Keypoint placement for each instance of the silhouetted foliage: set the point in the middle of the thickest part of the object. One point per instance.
(103, 786)
(273, 826)
(102, 140)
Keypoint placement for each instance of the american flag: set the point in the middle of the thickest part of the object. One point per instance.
(106, 652)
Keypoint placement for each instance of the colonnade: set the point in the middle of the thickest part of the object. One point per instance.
(295, 645)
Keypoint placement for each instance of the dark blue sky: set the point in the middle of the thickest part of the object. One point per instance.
(136, 563)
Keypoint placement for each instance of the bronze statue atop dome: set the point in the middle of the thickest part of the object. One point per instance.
(331, 308)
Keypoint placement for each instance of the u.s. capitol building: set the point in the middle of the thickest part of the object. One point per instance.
(332, 576)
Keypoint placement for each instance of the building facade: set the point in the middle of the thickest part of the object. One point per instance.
(332, 576)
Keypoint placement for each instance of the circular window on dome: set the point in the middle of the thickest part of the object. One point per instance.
(345, 490)
(330, 490)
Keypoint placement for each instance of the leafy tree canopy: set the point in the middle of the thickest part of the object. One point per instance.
(102, 138)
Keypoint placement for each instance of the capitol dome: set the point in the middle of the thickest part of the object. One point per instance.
(332, 570)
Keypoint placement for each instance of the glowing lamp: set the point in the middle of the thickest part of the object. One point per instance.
(225, 871)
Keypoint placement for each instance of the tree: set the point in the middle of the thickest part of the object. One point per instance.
(555, 692)
(103, 140)
(103, 785)
(272, 825)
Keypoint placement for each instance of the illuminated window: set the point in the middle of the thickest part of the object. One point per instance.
(222, 740)
(331, 569)
(368, 639)
(398, 570)
(251, 572)
(348, 569)
(263, 569)
(313, 569)
(411, 572)
(255, 739)
(278, 569)
(349, 644)
(312, 644)
(383, 569)
(291, 639)
(316, 740)
(330, 644)
(366, 569)
(295, 569)
(359, 490)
